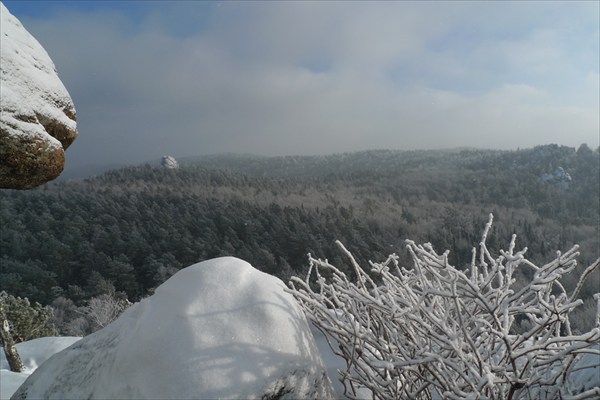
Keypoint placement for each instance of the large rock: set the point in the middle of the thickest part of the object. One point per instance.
(169, 162)
(38, 117)
(218, 329)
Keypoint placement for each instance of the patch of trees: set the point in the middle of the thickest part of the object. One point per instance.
(21, 321)
(130, 229)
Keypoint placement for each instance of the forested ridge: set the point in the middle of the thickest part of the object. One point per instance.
(129, 229)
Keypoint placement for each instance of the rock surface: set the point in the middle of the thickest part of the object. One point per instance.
(169, 162)
(217, 329)
(37, 122)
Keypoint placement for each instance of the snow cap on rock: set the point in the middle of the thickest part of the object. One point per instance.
(217, 329)
(169, 162)
(37, 122)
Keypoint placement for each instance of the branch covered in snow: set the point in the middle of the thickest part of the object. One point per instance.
(98, 313)
(434, 331)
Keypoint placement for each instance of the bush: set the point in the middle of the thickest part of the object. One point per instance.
(434, 331)
(98, 312)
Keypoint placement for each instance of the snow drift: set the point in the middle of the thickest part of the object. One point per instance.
(33, 353)
(217, 329)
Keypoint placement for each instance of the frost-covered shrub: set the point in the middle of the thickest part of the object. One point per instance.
(104, 309)
(98, 312)
(434, 331)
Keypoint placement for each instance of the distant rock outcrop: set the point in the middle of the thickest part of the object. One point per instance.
(218, 329)
(38, 117)
(169, 162)
(559, 177)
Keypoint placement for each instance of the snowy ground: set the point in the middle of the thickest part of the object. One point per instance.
(37, 351)
(33, 353)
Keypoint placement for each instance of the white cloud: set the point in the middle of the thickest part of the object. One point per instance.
(284, 78)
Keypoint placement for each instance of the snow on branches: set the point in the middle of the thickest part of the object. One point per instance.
(434, 331)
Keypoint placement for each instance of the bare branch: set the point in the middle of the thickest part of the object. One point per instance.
(434, 331)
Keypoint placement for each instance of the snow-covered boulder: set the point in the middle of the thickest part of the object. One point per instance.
(38, 117)
(217, 329)
(169, 162)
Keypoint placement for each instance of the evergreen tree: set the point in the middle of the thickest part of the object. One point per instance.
(27, 321)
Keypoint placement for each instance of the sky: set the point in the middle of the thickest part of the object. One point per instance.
(186, 78)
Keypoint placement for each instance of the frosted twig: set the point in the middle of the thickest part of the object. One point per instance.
(433, 330)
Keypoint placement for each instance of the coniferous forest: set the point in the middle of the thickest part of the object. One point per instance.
(128, 230)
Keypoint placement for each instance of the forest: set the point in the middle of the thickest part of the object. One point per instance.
(128, 230)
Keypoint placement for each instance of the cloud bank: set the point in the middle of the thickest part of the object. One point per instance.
(188, 78)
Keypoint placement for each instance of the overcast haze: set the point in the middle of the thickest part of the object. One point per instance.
(278, 78)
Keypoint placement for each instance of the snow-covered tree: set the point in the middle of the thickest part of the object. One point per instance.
(21, 321)
(8, 344)
(97, 312)
(27, 321)
(435, 331)
(102, 310)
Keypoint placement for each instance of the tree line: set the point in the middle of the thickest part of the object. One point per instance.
(129, 230)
